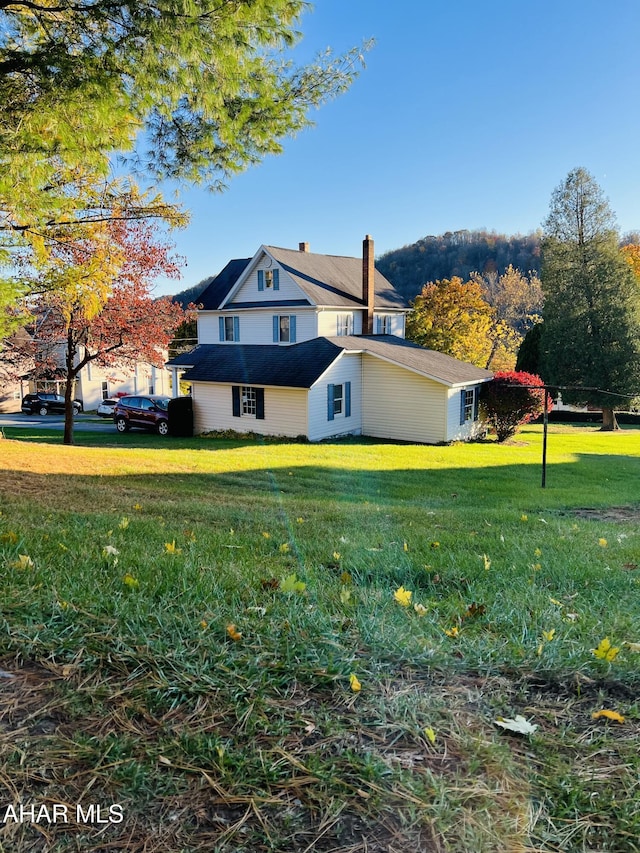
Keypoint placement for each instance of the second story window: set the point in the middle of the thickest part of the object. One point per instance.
(383, 324)
(344, 324)
(284, 329)
(229, 328)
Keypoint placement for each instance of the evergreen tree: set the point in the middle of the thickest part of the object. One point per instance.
(591, 331)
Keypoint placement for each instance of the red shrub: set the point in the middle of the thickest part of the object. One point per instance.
(511, 399)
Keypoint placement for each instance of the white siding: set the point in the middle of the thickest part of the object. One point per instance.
(328, 322)
(397, 323)
(402, 405)
(457, 431)
(249, 292)
(256, 325)
(122, 379)
(345, 369)
(285, 411)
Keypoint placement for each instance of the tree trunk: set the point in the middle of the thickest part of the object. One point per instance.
(68, 393)
(609, 421)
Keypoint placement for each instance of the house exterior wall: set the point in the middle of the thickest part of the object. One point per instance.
(256, 325)
(287, 288)
(402, 405)
(345, 369)
(285, 411)
(394, 322)
(328, 322)
(457, 431)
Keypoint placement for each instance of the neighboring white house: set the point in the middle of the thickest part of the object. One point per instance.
(299, 344)
(95, 383)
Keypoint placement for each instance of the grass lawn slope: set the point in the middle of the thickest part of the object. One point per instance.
(236, 647)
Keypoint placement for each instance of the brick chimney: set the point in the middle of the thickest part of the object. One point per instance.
(368, 278)
(303, 247)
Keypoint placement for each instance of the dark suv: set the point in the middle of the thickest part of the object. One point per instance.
(43, 404)
(150, 412)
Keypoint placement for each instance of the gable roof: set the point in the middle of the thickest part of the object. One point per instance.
(333, 280)
(218, 288)
(300, 365)
(325, 280)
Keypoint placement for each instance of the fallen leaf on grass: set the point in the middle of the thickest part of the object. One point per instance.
(518, 724)
(609, 715)
(473, 610)
(170, 548)
(431, 735)
(292, 584)
(403, 596)
(354, 683)
(606, 651)
(233, 632)
(24, 561)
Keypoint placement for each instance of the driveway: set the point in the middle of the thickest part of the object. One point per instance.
(82, 422)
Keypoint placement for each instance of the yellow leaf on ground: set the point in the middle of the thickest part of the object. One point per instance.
(233, 632)
(606, 651)
(609, 715)
(354, 683)
(403, 596)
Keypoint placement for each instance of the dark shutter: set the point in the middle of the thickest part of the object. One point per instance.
(462, 400)
(347, 399)
(330, 415)
(292, 328)
(260, 404)
(276, 279)
(221, 326)
(476, 402)
(235, 399)
(276, 329)
(260, 279)
(236, 328)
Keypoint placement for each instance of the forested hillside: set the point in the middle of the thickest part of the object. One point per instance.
(458, 253)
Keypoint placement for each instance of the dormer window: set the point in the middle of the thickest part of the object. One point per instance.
(268, 278)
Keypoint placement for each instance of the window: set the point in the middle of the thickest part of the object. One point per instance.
(468, 405)
(344, 324)
(384, 324)
(284, 329)
(269, 279)
(339, 400)
(105, 390)
(247, 401)
(229, 328)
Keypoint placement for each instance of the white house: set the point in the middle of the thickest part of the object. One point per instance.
(300, 344)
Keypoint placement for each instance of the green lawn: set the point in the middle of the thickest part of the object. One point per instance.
(186, 621)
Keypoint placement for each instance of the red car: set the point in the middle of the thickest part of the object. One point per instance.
(148, 412)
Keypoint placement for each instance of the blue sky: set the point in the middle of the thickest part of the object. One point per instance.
(467, 115)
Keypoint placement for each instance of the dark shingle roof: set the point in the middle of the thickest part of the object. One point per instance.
(328, 280)
(220, 286)
(334, 280)
(435, 365)
(300, 365)
(294, 366)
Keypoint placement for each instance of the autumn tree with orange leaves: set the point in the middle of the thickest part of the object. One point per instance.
(118, 321)
(452, 316)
